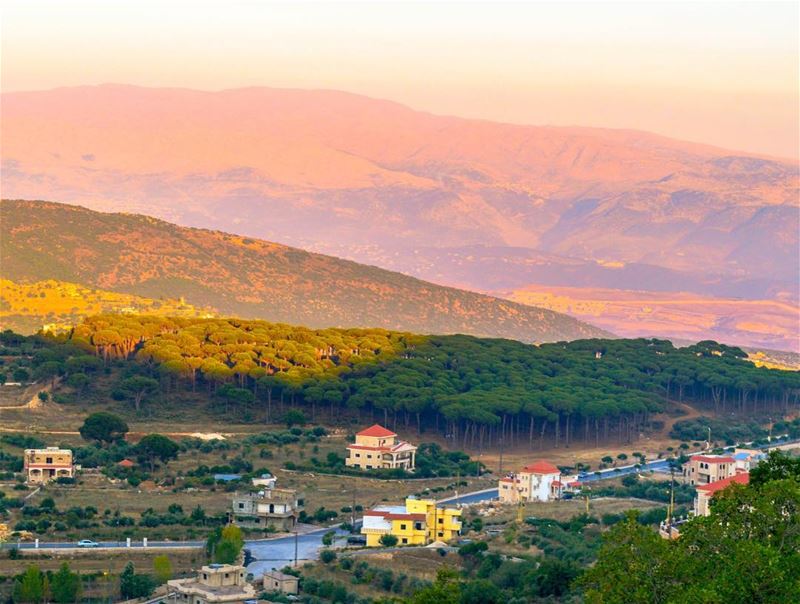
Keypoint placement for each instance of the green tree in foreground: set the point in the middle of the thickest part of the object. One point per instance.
(388, 540)
(162, 567)
(32, 587)
(225, 544)
(134, 585)
(157, 447)
(103, 427)
(65, 586)
(747, 550)
(445, 590)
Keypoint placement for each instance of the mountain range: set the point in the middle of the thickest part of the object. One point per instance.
(491, 207)
(243, 277)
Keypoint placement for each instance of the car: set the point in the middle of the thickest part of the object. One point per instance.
(88, 543)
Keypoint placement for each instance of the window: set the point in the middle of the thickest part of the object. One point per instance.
(369, 456)
(402, 527)
(358, 454)
(441, 520)
(48, 460)
(405, 540)
(441, 534)
(241, 506)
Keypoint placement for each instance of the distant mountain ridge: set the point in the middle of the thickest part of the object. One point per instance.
(249, 278)
(366, 178)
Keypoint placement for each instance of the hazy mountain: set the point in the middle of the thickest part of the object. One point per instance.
(244, 277)
(467, 203)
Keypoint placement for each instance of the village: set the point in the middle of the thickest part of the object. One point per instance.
(263, 508)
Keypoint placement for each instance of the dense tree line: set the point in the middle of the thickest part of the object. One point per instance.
(475, 391)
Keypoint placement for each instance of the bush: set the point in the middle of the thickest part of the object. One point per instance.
(388, 540)
(327, 556)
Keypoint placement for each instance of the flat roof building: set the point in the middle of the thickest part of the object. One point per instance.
(43, 465)
(214, 583)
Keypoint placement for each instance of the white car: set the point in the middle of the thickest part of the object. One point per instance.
(88, 543)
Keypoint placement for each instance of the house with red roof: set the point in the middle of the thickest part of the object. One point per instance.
(705, 469)
(377, 447)
(539, 481)
(706, 492)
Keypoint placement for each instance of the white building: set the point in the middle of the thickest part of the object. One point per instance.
(214, 583)
(540, 481)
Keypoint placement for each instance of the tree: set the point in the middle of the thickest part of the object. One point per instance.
(138, 387)
(198, 515)
(327, 556)
(31, 587)
(328, 537)
(66, 586)
(103, 427)
(157, 446)
(445, 590)
(388, 540)
(162, 567)
(294, 417)
(133, 585)
(224, 545)
(777, 466)
(49, 370)
(43, 396)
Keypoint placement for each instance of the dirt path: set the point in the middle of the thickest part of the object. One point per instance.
(691, 413)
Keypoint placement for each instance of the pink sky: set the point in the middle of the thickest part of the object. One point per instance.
(713, 72)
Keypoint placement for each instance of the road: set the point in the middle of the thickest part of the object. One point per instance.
(267, 553)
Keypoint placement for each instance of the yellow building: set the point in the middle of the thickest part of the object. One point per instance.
(418, 522)
(377, 447)
(42, 465)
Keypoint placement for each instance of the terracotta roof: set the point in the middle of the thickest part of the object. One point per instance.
(712, 459)
(541, 467)
(419, 517)
(714, 487)
(376, 430)
(556, 483)
(126, 463)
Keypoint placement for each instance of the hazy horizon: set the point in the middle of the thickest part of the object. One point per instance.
(707, 72)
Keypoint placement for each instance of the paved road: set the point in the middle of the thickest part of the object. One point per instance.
(474, 497)
(106, 545)
(277, 553)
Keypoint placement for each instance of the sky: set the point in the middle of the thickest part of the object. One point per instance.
(723, 73)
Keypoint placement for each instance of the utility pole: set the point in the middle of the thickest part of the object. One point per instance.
(295, 546)
(671, 508)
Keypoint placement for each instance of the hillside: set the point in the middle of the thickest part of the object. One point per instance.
(234, 275)
(764, 324)
(378, 182)
(475, 390)
(57, 306)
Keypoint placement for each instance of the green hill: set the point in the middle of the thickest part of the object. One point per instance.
(249, 278)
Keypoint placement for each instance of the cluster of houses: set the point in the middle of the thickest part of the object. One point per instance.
(710, 474)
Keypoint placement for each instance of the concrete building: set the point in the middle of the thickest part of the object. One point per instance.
(276, 508)
(275, 580)
(705, 469)
(43, 465)
(377, 447)
(539, 481)
(265, 480)
(418, 522)
(706, 492)
(747, 459)
(214, 583)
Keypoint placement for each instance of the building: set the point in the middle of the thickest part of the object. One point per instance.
(43, 465)
(265, 480)
(539, 481)
(747, 459)
(214, 583)
(276, 508)
(705, 469)
(706, 492)
(275, 580)
(418, 522)
(377, 447)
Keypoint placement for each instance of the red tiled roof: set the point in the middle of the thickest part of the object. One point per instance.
(715, 487)
(541, 467)
(126, 463)
(418, 517)
(376, 430)
(556, 483)
(712, 459)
